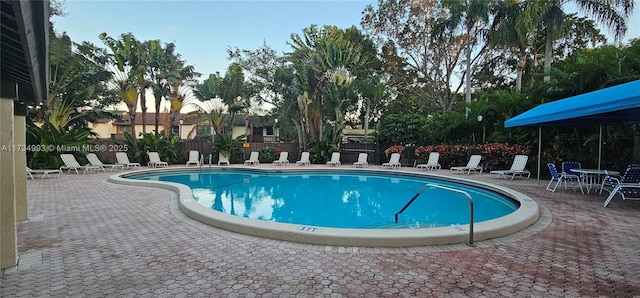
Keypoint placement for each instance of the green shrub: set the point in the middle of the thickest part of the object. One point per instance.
(320, 151)
(267, 155)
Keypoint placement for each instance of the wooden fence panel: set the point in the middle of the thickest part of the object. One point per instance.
(348, 151)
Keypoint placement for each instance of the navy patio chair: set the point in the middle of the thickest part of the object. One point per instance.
(628, 184)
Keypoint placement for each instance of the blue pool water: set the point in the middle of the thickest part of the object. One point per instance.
(339, 200)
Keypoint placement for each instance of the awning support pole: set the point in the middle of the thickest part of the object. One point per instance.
(600, 149)
(539, 150)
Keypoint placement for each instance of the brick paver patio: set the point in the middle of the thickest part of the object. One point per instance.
(87, 237)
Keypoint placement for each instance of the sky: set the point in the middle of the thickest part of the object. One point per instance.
(203, 30)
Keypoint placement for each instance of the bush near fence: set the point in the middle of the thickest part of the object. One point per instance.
(494, 155)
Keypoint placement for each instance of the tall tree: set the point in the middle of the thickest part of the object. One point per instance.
(126, 61)
(473, 18)
(268, 72)
(404, 29)
(318, 53)
(165, 67)
(78, 78)
(611, 13)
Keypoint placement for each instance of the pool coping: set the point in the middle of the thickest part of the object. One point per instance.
(525, 216)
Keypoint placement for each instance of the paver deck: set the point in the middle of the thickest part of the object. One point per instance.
(87, 237)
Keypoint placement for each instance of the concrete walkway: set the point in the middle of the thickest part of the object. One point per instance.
(87, 237)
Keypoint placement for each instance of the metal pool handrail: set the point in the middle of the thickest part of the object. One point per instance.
(466, 194)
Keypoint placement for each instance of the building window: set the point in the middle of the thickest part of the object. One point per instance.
(269, 130)
(175, 129)
(122, 128)
(257, 131)
(203, 130)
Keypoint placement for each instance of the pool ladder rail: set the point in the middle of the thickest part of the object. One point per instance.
(201, 163)
(466, 194)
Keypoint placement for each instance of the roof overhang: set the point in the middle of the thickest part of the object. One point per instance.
(24, 45)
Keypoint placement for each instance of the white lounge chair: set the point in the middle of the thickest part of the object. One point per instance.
(432, 162)
(283, 159)
(44, 173)
(362, 160)
(472, 165)
(253, 159)
(194, 158)
(304, 159)
(517, 168)
(96, 162)
(394, 161)
(335, 159)
(123, 159)
(154, 160)
(223, 159)
(70, 163)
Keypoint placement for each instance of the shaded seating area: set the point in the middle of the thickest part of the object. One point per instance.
(283, 159)
(628, 186)
(472, 165)
(194, 158)
(96, 162)
(304, 159)
(335, 159)
(123, 159)
(517, 168)
(44, 173)
(154, 160)
(432, 162)
(253, 159)
(362, 160)
(70, 163)
(394, 161)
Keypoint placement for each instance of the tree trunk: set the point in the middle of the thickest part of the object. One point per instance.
(132, 120)
(143, 107)
(299, 130)
(548, 53)
(366, 119)
(467, 95)
(522, 62)
(158, 99)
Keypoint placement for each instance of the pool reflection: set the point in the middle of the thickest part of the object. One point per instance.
(345, 201)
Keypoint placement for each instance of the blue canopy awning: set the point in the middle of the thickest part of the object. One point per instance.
(617, 104)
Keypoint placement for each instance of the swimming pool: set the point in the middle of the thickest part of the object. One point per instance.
(423, 223)
(338, 200)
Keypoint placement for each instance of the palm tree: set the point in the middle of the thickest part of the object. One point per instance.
(511, 31)
(613, 14)
(473, 15)
(164, 70)
(77, 79)
(315, 54)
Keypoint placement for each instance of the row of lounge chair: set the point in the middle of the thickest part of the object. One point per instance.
(70, 163)
(283, 159)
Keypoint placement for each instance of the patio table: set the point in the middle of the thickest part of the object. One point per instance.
(592, 179)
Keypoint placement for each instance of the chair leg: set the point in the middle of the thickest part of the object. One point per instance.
(613, 193)
(555, 187)
(549, 185)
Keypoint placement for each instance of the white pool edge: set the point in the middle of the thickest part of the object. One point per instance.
(526, 215)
